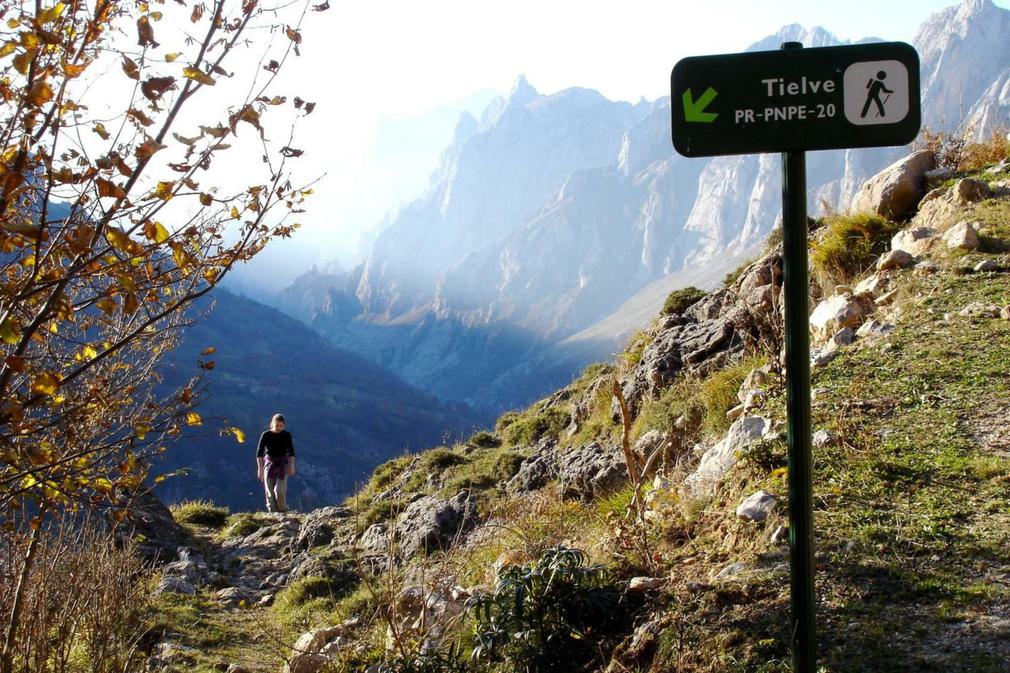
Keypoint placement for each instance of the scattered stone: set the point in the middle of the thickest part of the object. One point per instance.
(940, 206)
(232, 596)
(780, 535)
(735, 412)
(843, 337)
(720, 459)
(915, 241)
(823, 357)
(318, 527)
(977, 309)
(893, 259)
(536, 471)
(895, 192)
(874, 327)
(872, 286)
(1005, 312)
(986, 265)
(962, 235)
(887, 298)
(926, 267)
(649, 442)
(823, 438)
(730, 571)
(646, 583)
(175, 585)
(817, 392)
(757, 507)
(306, 663)
(837, 312)
(969, 190)
(235, 668)
(754, 399)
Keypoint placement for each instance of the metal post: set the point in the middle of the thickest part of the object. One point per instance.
(797, 325)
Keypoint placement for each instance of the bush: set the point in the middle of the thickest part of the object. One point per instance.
(338, 583)
(240, 525)
(849, 246)
(546, 616)
(528, 428)
(200, 513)
(484, 440)
(679, 301)
(954, 151)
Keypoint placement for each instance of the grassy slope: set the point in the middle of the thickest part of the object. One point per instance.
(912, 510)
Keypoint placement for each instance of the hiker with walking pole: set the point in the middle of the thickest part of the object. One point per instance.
(275, 462)
(876, 86)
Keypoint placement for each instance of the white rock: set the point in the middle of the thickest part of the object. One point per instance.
(986, 265)
(730, 571)
(872, 286)
(962, 235)
(926, 267)
(886, 298)
(823, 356)
(735, 412)
(893, 259)
(306, 663)
(311, 642)
(836, 312)
(721, 457)
(977, 309)
(874, 327)
(754, 398)
(895, 192)
(645, 583)
(823, 438)
(757, 507)
(915, 241)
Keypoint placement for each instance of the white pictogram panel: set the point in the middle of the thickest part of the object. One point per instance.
(876, 92)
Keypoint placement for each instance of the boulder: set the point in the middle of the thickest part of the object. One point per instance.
(590, 471)
(536, 471)
(915, 241)
(895, 192)
(646, 583)
(986, 265)
(977, 309)
(962, 235)
(873, 286)
(375, 539)
(893, 259)
(432, 522)
(843, 337)
(823, 438)
(940, 206)
(757, 507)
(887, 298)
(717, 461)
(175, 585)
(926, 267)
(837, 312)
(319, 526)
(874, 327)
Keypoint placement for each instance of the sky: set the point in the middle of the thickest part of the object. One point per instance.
(390, 79)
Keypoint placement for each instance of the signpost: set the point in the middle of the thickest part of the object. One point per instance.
(791, 101)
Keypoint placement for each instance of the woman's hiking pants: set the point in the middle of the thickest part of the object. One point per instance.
(277, 491)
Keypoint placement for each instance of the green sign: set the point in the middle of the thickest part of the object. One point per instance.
(792, 100)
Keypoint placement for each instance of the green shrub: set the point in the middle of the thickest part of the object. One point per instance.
(679, 301)
(484, 440)
(436, 460)
(487, 471)
(505, 420)
(339, 582)
(449, 660)
(530, 427)
(241, 525)
(384, 474)
(200, 513)
(380, 511)
(849, 246)
(550, 615)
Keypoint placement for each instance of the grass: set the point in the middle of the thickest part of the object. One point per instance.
(200, 513)
(847, 246)
(243, 524)
(530, 426)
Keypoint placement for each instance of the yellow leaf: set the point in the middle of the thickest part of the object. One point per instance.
(193, 418)
(102, 485)
(100, 130)
(198, 75)
(89, 353)
(46, 383)
(120, 240)
(155, 231)
(141, 431)
(234, 213)
(172, 56)
(40, 93)
(13, 23)
(9, 332)
(163, 191)
(23, 60)
(51, 14)
(72, 70)
(237, 433)
(8, 48)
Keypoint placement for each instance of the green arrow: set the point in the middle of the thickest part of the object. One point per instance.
(694, 110)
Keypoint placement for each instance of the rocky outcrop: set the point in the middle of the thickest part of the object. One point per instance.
(963, 236)
(590, 471)
(156, 534)
(895, 192)
(718, 460)
(838, 312)
(431, 522)
(712, 330)
(915, 241)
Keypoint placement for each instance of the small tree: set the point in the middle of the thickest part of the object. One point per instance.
(117, 211)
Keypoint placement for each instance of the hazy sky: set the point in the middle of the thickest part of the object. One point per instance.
(390, 77)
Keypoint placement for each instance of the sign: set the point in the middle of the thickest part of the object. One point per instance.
(791, 100)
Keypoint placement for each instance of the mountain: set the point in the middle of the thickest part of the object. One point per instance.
(552, 212)
(346, 414)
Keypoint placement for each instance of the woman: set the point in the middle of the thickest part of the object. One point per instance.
(275, 462)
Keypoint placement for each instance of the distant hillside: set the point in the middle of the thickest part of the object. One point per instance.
(346, 414)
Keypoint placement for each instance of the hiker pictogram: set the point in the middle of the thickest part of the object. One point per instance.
(875, 87)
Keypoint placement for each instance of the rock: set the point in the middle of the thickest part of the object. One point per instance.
(843, 337)
(646, 583)
(915, 241)
(887, 298)
(986, 265)
(149, 523)
(755, 398)
(780, 535)
(720, 459)
(175, 585)
(431, 522)
(535, 472)
(977, 309)
(969, 190)
(306, 663)
(755, 380)
(235, 668)
(962, 235)
(233, 596)
(926, 267)
(174, 653)
(375, 539)
(649, 442)
(318, 528)
(837, 312)
(874, 327)
(735, 412)
(895, 192)
(823, 356)
(590, 471)
(823, 438)
(757, 507)
(893, 259)
(730, 571)
(872, 286)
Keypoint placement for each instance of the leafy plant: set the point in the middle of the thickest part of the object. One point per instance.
(680, 300)
(545, 616)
